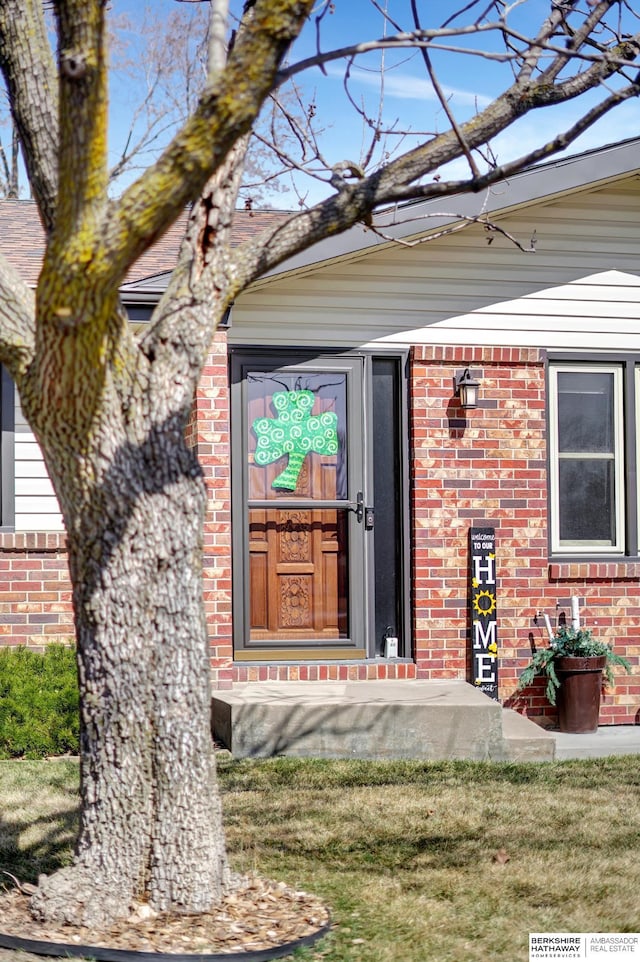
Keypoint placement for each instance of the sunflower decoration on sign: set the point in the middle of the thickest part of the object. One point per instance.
(295, 432)
(484, 602)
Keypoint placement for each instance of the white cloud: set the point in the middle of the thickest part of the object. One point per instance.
(406, 87)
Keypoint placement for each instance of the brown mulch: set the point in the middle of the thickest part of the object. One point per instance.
(257, 914)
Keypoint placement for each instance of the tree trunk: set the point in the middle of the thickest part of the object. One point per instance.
(151, 819)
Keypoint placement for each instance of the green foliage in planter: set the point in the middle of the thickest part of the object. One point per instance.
(570, 642)
(38, 702)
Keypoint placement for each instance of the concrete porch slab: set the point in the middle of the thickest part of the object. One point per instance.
(608, 740)
(430, 720)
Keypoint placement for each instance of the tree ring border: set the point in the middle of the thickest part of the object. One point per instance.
(103, 953)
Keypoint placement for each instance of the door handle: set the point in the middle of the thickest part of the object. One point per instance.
(363, 513)
(357, 507)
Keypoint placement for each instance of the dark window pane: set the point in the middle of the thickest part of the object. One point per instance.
(387, 478)
(587, 500)
(585, 412)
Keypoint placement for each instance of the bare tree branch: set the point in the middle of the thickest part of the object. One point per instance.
(577, 39)
(395, 183)
(218, 37)
(443, 100)
(463, 222)
(200, 288)
(434, 39)
(536, 49)
(173, 71)
(27, 64)
(17, 326)
(407, 39)
(202, 145)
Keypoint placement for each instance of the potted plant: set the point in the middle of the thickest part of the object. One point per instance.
(575, 665)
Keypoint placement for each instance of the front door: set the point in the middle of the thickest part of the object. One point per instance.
(304, 508)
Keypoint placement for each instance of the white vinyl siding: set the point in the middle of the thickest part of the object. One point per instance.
(580, 288)
(36, 506)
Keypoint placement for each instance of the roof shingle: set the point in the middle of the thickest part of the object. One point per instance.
(22, 239)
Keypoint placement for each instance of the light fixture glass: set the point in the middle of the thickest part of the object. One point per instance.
(467, 390)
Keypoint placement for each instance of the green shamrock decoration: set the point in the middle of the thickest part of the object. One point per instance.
(295, 432)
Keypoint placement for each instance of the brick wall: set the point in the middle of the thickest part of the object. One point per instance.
(208, 432)
(485, 469)
(35, 594)
(488, 469)
(365, 671)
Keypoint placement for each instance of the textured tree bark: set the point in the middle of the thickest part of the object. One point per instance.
(151, 821)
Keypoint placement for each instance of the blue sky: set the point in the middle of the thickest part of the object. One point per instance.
(470, 82)
(409, 102)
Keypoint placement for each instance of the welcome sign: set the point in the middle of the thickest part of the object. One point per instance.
(484, 636)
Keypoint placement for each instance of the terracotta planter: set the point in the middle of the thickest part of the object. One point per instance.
(579, 694)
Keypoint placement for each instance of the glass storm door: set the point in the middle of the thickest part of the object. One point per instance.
(303, 512)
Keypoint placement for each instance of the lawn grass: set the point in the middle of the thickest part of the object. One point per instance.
(403, 853)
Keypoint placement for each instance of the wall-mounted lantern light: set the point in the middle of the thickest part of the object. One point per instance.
(466, 388)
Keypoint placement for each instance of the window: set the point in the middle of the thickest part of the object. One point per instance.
(589, 457)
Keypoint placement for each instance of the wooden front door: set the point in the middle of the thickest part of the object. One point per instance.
(303, 493)
(297, 568)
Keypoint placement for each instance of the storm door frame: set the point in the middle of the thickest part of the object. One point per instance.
(364, 630)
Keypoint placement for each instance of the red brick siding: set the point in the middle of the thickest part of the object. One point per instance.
(489, 469)
(485, 469)
(367, 671)
(35, 594)
(210, 436)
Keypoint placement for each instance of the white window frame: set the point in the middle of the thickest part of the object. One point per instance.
(595, 547)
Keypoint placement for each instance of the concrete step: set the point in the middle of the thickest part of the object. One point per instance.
(524, 740)
(430, 720)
